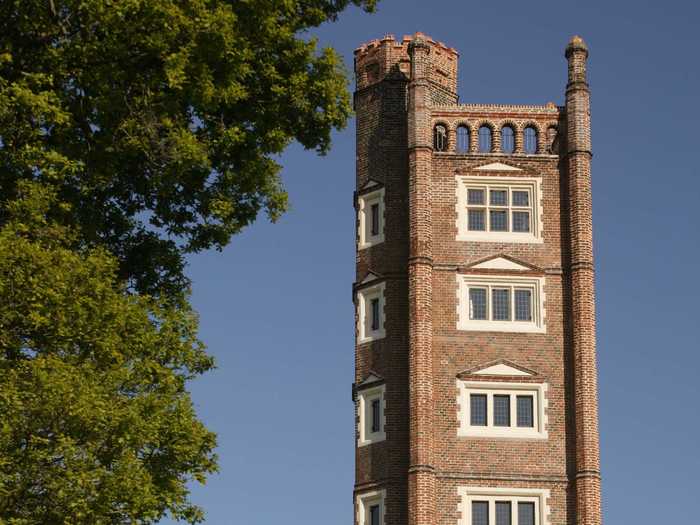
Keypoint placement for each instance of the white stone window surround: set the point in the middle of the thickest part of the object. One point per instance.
(513, 495)
(490, 388)
(533, 283)
(365, 436)
(365, 333)
(533, 185)
(364, 204)
(364, 501)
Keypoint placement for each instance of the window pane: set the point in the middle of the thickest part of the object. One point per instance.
(484, 139)
(530, 140)
(521, 221)
(376, 414)
(500, 299)
(499, 221)
(476, 220)
(480, 513)
(526, 513)
(523, 305)
(521, 198)
(499, 197)
(374, 515)
(507, 140)
(375, 219)
(462, 139)
(477, 402)
(525, 416)
(477, 303)
(501, 411)
(503, 513)
(375, 314)
(475, 197)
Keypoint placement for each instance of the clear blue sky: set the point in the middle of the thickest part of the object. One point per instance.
(276, 306)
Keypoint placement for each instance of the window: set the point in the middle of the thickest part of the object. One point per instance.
(371, 218)
(499, 209)
(507, 140)
(530, 140)
(370, 304)
(552, 141)
(440, 137)
(502, 409)
(462, 139)
(501, 303)
(484, 139)
(371, 419)
(503, 506)
(370, 508)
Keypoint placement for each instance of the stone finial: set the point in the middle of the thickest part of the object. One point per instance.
(576, 44)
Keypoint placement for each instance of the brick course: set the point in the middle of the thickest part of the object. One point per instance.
(403, 89)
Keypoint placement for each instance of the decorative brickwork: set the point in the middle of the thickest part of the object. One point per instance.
(426, 470)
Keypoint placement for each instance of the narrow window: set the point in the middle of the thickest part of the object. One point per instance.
(374, 222)
(376, 415)
(462, 139)
(530, 140)
(440, 138)
(480, 513)
(552, 145)
(526, 513)
(477, 304)
(501, 411)
(498, 217)
(523, 305)
(507, 139)
(477, 403)
(484, 139)
(503, 513)
(375, 313)
(500, 300)
(524, 409)
(374, 515)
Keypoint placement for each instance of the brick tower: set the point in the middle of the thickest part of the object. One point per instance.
(475, 382)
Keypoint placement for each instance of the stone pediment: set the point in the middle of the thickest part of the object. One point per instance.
(502, 367)
(502, 262)
(497, 166)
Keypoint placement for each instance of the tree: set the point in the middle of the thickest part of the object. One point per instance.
(159, 120)
(96, 425)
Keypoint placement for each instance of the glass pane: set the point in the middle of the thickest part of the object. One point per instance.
(462, 139)
(530, 142)
(376, 413)
(477, 402)
(375, 219)
(523, 305)
(503, 513)
(501, 411)
(475, 197)
(507, 140)
(480, 513)
(499, 220)
(499, 197)
(524, 409)
(526, 513)
(477, 303)
(521, 198)
(374, 515)
(477, 220)
(521, 221)
(484, 139)
(375, 314)
(500, 299)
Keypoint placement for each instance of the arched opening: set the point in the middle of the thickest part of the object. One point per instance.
(484, 139)
(440, 137)
(507, 139)
(530, 140)
(462, 139)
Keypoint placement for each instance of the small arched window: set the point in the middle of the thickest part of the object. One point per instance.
(552, 143)
(530, 140)
(507, 139)
(484, 139)
(462, 139)
(440, 137)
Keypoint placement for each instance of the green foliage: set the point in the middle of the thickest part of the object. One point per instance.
(96, 425)
(159, 120)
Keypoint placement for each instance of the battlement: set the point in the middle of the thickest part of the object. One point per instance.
(389, 58)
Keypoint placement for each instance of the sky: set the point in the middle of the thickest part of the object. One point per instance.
(276, 309)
